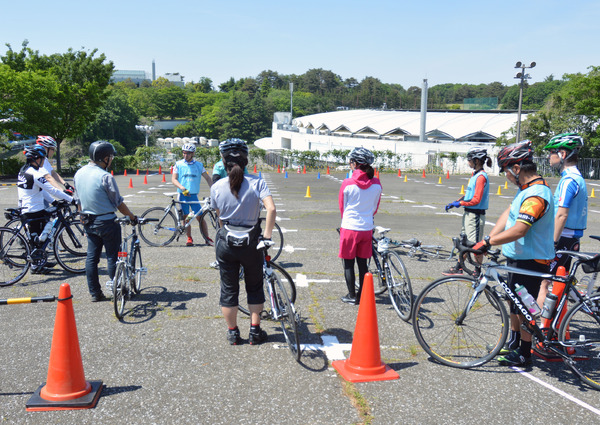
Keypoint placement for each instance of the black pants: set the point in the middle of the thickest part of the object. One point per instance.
(350, 277)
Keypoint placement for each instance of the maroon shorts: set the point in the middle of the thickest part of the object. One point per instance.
(355, 243)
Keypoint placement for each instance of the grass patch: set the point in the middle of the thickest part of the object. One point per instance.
(359, 402)
(316, 312)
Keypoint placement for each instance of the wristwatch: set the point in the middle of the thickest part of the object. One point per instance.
(487, 241)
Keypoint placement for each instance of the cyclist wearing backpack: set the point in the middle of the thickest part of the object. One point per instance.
(237, 200)
(475, 202)
(522, 230)
(570, 201)
(358, 199)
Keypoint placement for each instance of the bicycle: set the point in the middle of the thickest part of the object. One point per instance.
(458, 327)
(167, 224)
(391, 273)
(20, 250)
(416, 248)
(129, 270)
(281, 300)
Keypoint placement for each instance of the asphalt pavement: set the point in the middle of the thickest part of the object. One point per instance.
(168, 360)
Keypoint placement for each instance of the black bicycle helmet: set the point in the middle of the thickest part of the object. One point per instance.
(477, 153)
(361, 156)
(34, 152)
(100, 150)
(515, 154)
(233, 147)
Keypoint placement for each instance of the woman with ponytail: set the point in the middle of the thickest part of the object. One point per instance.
(238, 200)
(358, 199)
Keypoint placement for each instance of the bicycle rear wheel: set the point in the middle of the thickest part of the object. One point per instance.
(14, 254)
(400, 289)
(160, 232)
(210, 219)
(138, 270)
(120, 289)
(287, 315)
(449, 336)
(285, 279)
(277, 238)
(379, 284)
(70, 248)
(580, 329)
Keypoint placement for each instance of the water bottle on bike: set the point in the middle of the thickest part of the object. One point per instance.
(528, 300)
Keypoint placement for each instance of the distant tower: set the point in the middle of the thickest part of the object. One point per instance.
(153, 70)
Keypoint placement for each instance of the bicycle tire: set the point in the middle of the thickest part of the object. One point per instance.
(161, 232)
(379, 285)
(137, 268)
(435, 252)
(475, 341)
(290, 288)
(120, 290)
(14, 254)
(287, 316)
(400, 288)
(277, 238)
(580, 329)
(70, 248)
(210, 219)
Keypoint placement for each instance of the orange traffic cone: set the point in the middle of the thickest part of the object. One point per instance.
(423, 173)
(364, 363)
(137, 172)
(254, 168)
(278, 169)
(66, 387)
(145, 179)
(328, 169)
(112, 173)
(448, 174)
(307, 192)
(164, 180)
(304, 170)
(147, 171)
(125, 172)
(130, 183)
(159, 169)
(399, 173)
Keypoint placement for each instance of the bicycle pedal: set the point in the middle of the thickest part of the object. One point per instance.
(143, 270)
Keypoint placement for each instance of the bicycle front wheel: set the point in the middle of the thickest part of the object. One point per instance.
(450, 334)
(120, 289)
(14, 254)
(285, 279)
(70, 248)
(378, 273)
(277, 238)
(160, 232)
(287, 315)
(138, 270)
(400, 289)
(209, 224)
(580, 329)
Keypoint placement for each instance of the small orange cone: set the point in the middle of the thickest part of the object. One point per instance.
(159, 169)
(66, 387)
(307, 192)
(137, 172)
(399, 173)
(164, 180)
(112, 173)
(125, 172)
(364, 363)
(130, 183)
(423, 173)
(146, 171)
(304, 170)
(254, 168)
(448, 174)
(278, 169)
(328, 169)
(145, 179)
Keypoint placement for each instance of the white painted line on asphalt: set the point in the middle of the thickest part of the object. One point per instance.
(303, 281)
(128, 196)
(406, 201)
(281, 218)
(284, 230)
(145, 191)
(290, 248)
(557, 391)
(331, 347)
(449, 213)
(424, 206)
(594, 211)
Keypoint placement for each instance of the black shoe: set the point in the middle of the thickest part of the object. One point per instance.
(257, 337)
(453, 271)
(349, 299)
(514, 358)
(40, 270)
(233, 336)
(100, 297)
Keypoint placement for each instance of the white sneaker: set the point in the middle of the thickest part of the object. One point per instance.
(109, 285)
(214, 265)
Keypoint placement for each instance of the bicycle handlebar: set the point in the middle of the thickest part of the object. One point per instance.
(265, 244)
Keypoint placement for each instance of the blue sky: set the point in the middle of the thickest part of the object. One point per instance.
(395, 41)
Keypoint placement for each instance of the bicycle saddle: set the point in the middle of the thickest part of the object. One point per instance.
(413, 241)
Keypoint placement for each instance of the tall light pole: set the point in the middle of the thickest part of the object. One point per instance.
(291, 101)
(522, 76)
(146, 129)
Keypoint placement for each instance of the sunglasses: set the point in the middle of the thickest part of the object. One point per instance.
(553, 151)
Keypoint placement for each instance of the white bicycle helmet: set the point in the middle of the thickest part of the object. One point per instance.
(189, 147)
(46, 141)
